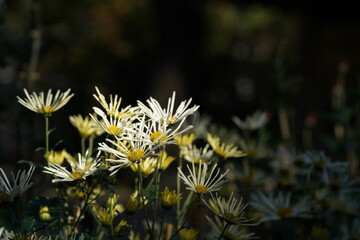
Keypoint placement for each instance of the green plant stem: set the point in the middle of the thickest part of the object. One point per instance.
(47, 133)
(161, 224)
(188, 217)
(91, 144)
(143, 201)
(178, 189)
(223, 231)
(83, 145)
(83, 209)
(157, 186)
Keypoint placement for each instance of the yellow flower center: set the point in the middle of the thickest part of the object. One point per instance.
(229, 217)
(283, 211)
(136, 155)
(77, 174)
(48, 109)
(201, 189)
(155, 136)
(114, 130)
(221, 152)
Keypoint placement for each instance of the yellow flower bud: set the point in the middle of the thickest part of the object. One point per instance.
(169, 199)
(44, 213)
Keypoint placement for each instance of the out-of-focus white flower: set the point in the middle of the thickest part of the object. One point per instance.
(232, 232)
(20, 184)
(193, 154)
(253, 122)
(274, 208)
(39, 104)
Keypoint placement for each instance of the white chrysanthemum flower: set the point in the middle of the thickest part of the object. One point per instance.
(112, 108)
(253, 122)
(20, 184)
(39, 104)
(80, 169)
(200, 181)
(130, 148)
(85, 125)
(193, 154)
(281, 206)
(5, 234)
(167, 116)
(161, 134)
(112, 125)
(231, 232)
(231, 211)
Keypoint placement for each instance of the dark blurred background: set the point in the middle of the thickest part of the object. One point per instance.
(231, 57)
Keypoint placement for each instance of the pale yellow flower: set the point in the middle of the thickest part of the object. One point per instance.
(107, 213)
(188, 234)
(135, 203)
(185, 139)
(169, 198)
(57, 157)
(147, 166)
(39, 104)
(222, 149)
(85, 125)
(165, 160)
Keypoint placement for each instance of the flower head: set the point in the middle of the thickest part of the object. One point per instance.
(202, 182)
(85, 125)
(20, 184)
(275, 208)
(231, 211)
(223, 149)
(80, 169)
(165, 160)
(193, 154)
(112, 108)
(57, 157)
(39, 104)
(231, 232)
(147, 166)
(167, 116)
(185, 139)
(169, 198)
(253, 122)
(135, 203)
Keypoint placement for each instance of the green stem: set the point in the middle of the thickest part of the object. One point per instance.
(223, 231)
(194, 206)
(143, 201)
(91, 144)
(178, 189)
(157, 186)
(161, 224)
(83, 145)
(47, 133)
